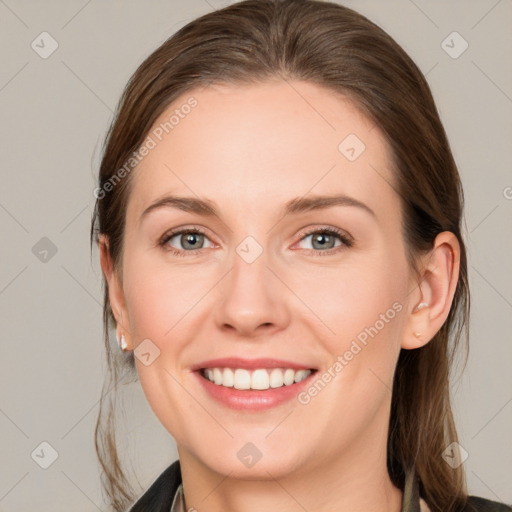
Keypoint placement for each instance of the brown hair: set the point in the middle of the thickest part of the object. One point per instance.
(334, 47)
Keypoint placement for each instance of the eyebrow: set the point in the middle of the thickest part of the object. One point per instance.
(298, 205)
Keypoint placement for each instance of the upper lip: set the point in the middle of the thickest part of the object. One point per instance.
(250, 364)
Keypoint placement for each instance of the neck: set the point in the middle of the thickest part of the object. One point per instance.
(355, 482)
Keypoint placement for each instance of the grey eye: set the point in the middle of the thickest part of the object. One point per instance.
(322, 240)
(189, 240)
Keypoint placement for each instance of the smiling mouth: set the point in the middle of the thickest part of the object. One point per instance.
(258, 379)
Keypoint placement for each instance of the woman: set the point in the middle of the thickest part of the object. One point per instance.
(278, 216)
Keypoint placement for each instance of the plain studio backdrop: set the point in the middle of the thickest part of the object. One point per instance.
(56, 101)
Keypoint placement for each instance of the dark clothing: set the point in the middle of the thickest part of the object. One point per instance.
(159, 496)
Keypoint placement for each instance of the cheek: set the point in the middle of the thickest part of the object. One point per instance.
(159, 295)
(361, 311)
(356, 295)
(358, 322)
(160, 299)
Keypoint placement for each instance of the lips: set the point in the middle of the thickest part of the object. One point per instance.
(252, 383)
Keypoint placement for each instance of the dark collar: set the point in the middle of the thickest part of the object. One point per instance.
(411, 496)
(159, 497)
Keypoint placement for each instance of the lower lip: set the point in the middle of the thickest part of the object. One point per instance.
(252, 399)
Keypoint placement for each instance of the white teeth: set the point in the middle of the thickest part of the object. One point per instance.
(242, 379)
(301, 375)
(289, 377)
(259, 379)
(276, 378)
(228, 378)
(217, 376)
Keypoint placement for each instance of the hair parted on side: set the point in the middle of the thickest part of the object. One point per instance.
(337, 48)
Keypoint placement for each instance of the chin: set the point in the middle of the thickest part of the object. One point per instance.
(251, 463)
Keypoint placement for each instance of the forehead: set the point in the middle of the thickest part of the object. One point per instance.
(255, 146)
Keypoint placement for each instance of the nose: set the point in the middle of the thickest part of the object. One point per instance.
(252, 299)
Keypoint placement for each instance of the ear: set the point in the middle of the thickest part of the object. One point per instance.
(115, 290)
(433, 291)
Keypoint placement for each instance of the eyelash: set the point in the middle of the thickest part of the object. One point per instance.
(346, 240)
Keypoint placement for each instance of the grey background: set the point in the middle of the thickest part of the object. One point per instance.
(55, 112)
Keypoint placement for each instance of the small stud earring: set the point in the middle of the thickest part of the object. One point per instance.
(122, 342)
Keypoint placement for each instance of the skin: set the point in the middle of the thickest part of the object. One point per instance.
(250, 149)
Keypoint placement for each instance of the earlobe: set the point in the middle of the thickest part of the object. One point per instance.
(418, 331)
(434, 293)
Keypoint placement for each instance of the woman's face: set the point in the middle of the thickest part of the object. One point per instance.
(254, 291)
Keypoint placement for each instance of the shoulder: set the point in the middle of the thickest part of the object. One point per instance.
(477, 504)
(159, 496)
